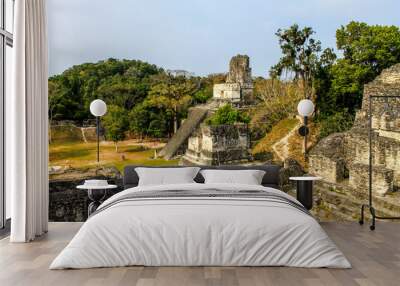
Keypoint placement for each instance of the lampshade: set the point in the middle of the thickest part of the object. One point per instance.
(305, 107)
(98, 107)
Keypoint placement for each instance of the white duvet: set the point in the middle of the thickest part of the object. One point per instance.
(200, 231)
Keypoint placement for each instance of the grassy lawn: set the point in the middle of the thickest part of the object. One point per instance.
(81, 155)
(296, 144)
(279, 131)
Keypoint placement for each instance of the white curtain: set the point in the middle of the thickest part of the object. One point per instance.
(27, 123)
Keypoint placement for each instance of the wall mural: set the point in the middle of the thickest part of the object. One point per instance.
(169, 117)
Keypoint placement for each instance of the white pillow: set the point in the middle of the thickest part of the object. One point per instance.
(166, 176)
(248, 177)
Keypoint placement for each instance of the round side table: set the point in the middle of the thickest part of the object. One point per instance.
(304, 190)
(96, 195)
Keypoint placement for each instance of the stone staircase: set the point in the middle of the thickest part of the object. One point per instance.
(341, 202)
(195, 117)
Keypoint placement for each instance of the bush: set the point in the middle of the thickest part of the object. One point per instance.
(338, 122)
(203, 95)
(228, 115)
(157, 128)
(116, 123)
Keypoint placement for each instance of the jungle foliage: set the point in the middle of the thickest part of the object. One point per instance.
(336, 83)
(149, 99)
(152, 102)
(226, 114)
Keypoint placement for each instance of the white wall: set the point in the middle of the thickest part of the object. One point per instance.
(227, 91)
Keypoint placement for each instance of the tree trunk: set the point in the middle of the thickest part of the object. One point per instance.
(175, 119)
(50, 123)
(305, 87)
(175, 124)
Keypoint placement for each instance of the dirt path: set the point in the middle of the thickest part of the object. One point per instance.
(281, 147)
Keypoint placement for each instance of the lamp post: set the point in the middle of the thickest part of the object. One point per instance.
(305, 109)
(98, 108)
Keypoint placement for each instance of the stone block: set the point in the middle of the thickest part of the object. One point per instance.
(332, 170)
(239, 70)
(327, 158)
(227, 91)
(222, 144)
(382, 179)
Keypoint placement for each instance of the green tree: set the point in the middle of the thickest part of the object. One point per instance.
(174, 98)
(367, 50)
(120, 82)
(203, 94)
(116, 124)
(148, 120)
(122, 93)
(206, 85)
(228, 115)
(338, 122)
(139, 119)
(300, 56)
(322, 83)
(127, 84)
(54, 99)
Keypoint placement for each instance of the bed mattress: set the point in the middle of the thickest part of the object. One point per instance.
(201, 225)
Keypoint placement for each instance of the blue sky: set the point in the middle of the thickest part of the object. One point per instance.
(195, 35)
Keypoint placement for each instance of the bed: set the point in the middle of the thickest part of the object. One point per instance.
(201, 224)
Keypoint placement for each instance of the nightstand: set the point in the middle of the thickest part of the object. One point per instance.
(96, 195)
(304, 190)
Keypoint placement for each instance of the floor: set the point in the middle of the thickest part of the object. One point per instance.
(4, 232)
(375, 257)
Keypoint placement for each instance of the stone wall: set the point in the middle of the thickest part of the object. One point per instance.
(222, 144)
(66, 202)
(382, 178)
(68, 131)
(227, 91)
(343, 158)
(327, 159)
(356, 147)
(346, 155)
(341, 202)
(385, 112)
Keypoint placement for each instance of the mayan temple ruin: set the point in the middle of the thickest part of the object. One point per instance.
(342, 158)
(239, 83)
(202, 144)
